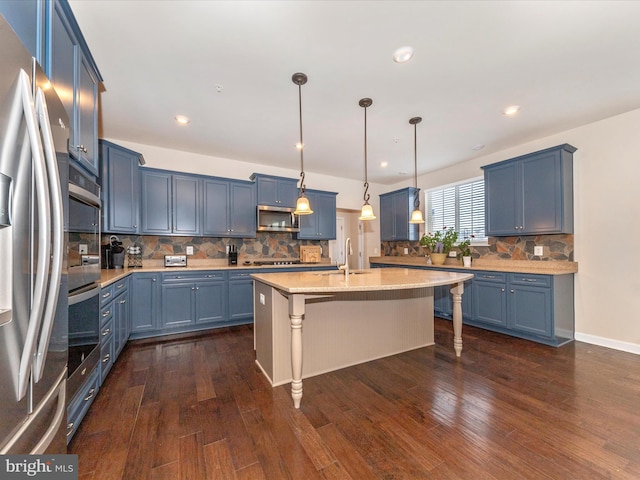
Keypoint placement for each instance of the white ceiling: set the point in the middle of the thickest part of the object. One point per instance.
(566, 63)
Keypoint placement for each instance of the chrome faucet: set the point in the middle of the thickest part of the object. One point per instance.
(347, 252)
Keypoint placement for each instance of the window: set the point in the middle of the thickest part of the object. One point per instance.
(459, 206)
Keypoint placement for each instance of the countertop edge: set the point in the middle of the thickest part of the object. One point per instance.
(509, 266)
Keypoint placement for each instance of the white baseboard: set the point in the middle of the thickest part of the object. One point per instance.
(609, 343)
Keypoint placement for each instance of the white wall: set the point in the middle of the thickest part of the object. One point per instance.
(607, 226)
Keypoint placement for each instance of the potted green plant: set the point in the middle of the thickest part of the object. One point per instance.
(465, 252)
(439, 244)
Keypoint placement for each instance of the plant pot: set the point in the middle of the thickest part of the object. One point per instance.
(438, 258)
(466, 261)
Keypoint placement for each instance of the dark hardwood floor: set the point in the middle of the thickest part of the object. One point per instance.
(199, 408)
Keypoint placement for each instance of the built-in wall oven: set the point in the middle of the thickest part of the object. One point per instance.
(84, 278)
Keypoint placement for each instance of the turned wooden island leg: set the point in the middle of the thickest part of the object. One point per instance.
(296, 312)
(457, 292)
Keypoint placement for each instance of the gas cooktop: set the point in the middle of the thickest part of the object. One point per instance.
(276, 261)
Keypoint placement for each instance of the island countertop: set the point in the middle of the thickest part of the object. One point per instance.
(376, 279)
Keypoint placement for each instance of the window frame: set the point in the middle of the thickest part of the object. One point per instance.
(476, 241)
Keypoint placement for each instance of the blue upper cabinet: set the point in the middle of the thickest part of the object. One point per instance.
(73, 73)
(321, 224)
(276, 191)
(120, 182)
(171, 203)
(531, 194)
(395, 212)
(26, 18)
(229, 208)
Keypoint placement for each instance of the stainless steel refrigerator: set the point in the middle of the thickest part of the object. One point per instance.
(33, 292)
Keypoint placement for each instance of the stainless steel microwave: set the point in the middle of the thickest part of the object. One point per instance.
(277, 219)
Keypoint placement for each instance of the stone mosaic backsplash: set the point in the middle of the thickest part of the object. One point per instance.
(265, 245)
(556, 248)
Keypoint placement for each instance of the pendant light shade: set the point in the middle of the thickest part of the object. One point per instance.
(416, 215)
(367, 210)
(302, 205)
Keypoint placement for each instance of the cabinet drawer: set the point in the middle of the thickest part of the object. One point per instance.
(106, 330)
(497, 277)
(241, 275)
(207, 275)
(120, 286)
(106, 294)
(530, 279)
(106, 357)
(106, 313)
(79, 405)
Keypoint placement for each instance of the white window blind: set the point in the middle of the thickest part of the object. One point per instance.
(459, 206)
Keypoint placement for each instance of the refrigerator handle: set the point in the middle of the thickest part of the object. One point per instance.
(44, 234)
(57, 234)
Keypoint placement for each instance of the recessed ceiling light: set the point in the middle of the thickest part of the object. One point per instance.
(384, 164)
(511, 110)
(403, 54)
(182, 120)
(477, 147)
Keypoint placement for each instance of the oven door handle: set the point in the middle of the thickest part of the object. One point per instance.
(84, 295)
(57, 228)
(44, 232)
(84, 196)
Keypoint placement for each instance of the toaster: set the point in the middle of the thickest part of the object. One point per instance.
(175, 260)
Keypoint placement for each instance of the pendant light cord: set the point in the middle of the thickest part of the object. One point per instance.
(415, 121)
(366, 181)
(301, 143)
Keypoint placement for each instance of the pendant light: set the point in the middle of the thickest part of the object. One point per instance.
(367, 210)
(416, 215)
(302, 205)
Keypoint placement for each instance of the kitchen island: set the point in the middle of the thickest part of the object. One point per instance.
(348, 319)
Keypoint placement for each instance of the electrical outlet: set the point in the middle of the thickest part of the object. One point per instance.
(538, 250)
(83, 249)
(406, 251)
(263, 300)
(189, 250)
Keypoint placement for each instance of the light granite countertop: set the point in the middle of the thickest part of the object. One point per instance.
(511, 266)
(107, 277)
(376, 279)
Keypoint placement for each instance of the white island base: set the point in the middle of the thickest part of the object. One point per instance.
(340, 329)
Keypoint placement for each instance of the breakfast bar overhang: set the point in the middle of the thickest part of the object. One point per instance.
(348, 319)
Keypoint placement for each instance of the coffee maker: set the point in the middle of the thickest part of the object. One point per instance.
(113, 253)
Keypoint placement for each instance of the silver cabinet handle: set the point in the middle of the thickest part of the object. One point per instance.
(104, 360)
(106, 295)
(82, 148)
(106, 332)
(123, 301)
(106, 314)
(513, 291)
(120, 286)
(70, 426)
(502, 289)
(91, 392)
(154, 279)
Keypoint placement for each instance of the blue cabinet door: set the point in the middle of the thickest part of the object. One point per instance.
(503, 200)
(242, 210)
(177, 305)
(215, 207)
(210, 302)
(321, 224)
(387, 223)
(186, 205)
(395, 212)
(86, 121)
(241, 296)
(26, 18)
(121, 322)
(120, 182)
(276, 191)
(542, 193)
(530, 304)
(145, 305)
(156, 202)
(490, 298)
(61, 59)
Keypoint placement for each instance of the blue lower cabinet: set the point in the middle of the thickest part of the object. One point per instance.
(241, 295)
(145, 304)
(80, 403)
(531, 306)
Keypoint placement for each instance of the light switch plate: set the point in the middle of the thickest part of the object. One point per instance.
(83, 249)
(538, 250)
(189, 250)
